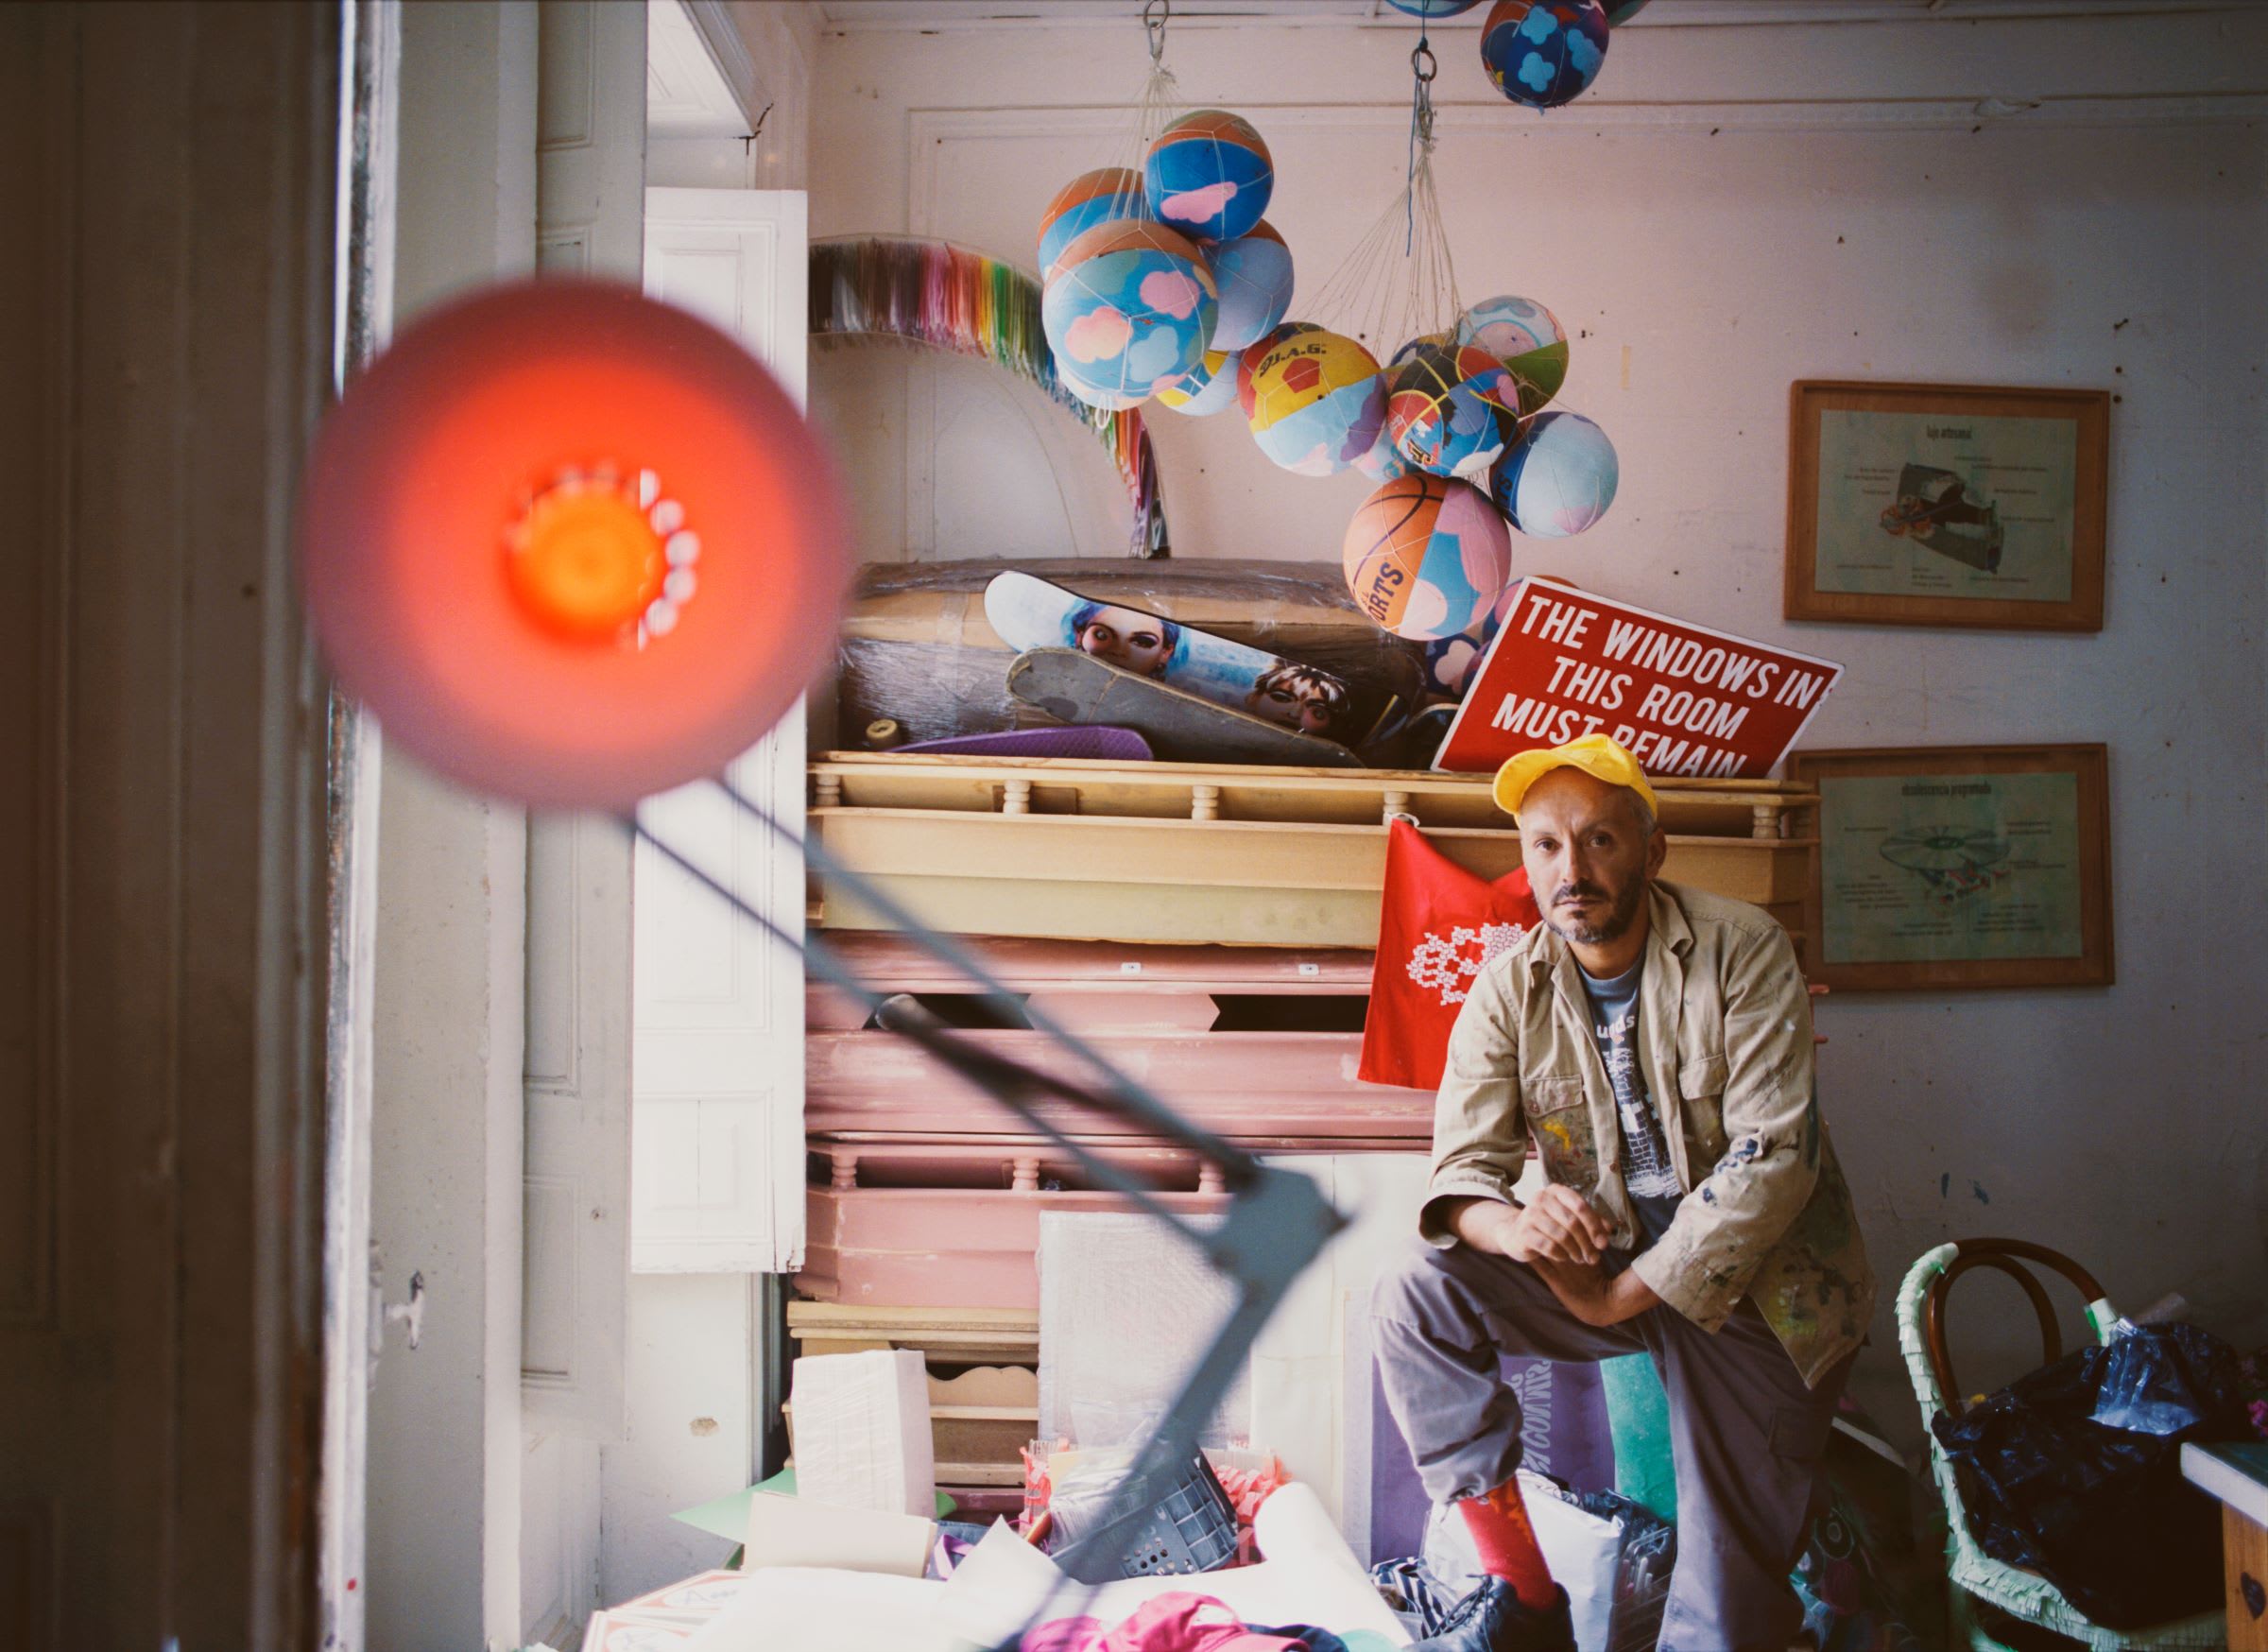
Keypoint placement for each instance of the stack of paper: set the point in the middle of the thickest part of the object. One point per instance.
(862, 1432)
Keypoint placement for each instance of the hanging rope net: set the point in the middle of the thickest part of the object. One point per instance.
(1399, 283)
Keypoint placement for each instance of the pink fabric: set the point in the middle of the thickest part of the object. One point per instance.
(1172, 1623)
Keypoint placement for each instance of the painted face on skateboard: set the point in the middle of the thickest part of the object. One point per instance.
(1297, 699)
(1127, 639)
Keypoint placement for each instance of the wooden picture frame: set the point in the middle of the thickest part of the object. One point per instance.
(1959, 866)
(1879, 534)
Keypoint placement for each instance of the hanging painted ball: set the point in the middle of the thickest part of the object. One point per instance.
(1259, 351)
(1130, 310)
(1412, 346)
(1105, 196)
(1108, 397)
(1543, 53)
(1558, 478)
(1435, 7)
(1209, 175)
(1207, 388)
(1619, 12)
(1254, 273)
(1383, 462)
(1450, 661)
(1527, 339)
(1451, 409)
(1315, 401)
(1427, 556)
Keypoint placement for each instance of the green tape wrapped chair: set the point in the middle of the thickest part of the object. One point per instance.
(1976, 1575)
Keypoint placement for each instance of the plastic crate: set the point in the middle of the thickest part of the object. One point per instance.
(1192, 1529)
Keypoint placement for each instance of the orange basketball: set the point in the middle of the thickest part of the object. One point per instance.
(1427, 556)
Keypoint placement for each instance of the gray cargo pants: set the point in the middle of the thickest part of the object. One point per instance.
(1746, 1433)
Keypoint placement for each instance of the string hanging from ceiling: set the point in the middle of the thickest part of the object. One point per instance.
(1399, 283)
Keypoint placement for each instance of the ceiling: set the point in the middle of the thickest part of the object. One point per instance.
(932, 15)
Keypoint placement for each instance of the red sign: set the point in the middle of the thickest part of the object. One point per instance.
(1685, 700)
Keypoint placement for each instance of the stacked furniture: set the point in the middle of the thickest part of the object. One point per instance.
(1208, 927)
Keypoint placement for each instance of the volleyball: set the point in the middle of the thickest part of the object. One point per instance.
(1315, 401)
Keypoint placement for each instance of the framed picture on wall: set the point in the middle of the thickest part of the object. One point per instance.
(1960, 866)
(1947, 504)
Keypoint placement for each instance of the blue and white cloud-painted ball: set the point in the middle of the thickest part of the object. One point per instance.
(1130, 310)
(1254, 273)
(1559, 478)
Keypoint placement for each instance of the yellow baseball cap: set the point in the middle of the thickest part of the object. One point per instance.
(1594, 754)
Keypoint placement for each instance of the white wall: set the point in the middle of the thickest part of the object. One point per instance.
(1732, 209)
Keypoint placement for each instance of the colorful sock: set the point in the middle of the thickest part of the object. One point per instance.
(1507, 1541)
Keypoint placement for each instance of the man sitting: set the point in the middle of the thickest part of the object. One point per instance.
(1656, 1042)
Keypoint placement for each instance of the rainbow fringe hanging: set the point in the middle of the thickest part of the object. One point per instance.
(949, 298)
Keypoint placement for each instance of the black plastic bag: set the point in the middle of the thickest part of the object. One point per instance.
(2075, 1471)
(2169, 1380)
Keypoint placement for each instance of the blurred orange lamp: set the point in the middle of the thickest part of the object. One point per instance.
(571, 546)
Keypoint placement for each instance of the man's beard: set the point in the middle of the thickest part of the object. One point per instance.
(1622, 912)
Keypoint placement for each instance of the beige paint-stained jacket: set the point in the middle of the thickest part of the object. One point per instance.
(1725, 1024)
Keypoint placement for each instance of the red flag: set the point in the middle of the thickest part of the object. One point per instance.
(1437, 925)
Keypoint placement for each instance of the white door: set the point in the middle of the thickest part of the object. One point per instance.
(718, 1047)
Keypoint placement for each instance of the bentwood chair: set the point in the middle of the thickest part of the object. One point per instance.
(1976, 1577)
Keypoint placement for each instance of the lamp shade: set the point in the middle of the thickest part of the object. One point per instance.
(571, 546)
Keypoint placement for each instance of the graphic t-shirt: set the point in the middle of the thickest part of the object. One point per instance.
(1647, 1170)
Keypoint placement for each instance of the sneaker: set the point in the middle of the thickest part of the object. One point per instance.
(1493, 1619)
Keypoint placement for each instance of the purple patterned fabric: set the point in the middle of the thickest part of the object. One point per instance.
(1563, 1419)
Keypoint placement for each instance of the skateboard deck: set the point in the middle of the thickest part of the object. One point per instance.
(1029, 612)
(1100, 744)
(1079, 688)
